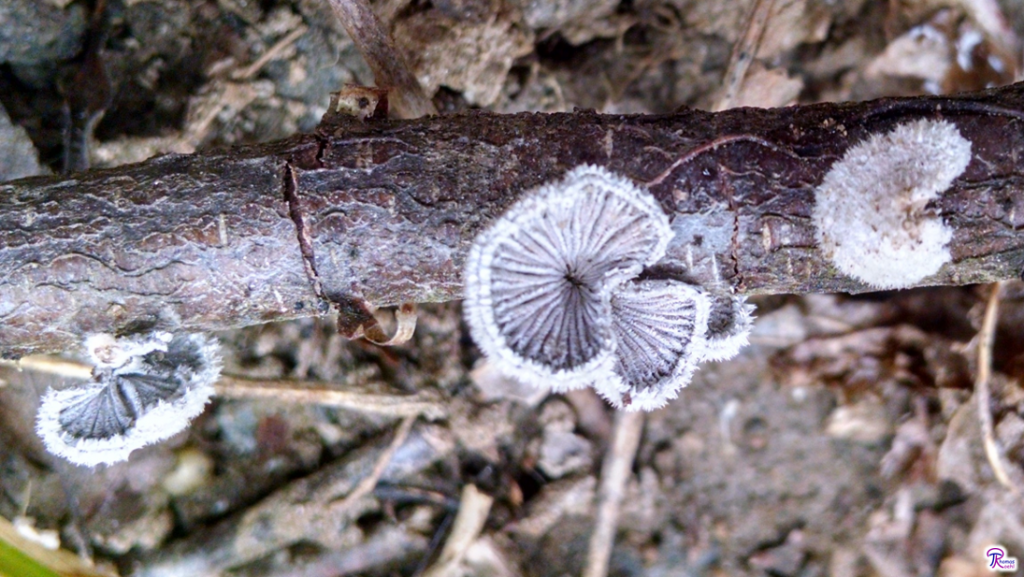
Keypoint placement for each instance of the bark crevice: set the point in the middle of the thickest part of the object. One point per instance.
(291, 197)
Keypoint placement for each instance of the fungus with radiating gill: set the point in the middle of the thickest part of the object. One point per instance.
(145, 389)
(659, 328)
(539, 280)
(729, 326)
(871, 210)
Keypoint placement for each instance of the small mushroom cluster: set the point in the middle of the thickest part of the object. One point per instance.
(144, 389)
(554, 295)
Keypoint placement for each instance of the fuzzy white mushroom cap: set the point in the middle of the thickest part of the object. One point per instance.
(106, 350)
(870, 209)
(539, 280)
(149, 395)
(659, 328)
(729, 326)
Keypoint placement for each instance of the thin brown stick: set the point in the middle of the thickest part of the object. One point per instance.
(986, 338)
(614, 473)
(406, 97)
(369, 397)
(743, 52)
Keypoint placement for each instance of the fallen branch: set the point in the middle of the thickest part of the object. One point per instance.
(381, 213)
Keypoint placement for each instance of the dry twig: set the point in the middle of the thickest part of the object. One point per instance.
(272, 53)
(986, 338)
(364, 397)
(367, 398)
(319, 508)
(368, 483)
(743, 53)
(405, 95)
(51, 366)
(474, 507)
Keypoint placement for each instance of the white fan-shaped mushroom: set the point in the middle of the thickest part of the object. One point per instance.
(659, 327)
(728, 327)
(871, 210)
(146, 398)
(538, 280)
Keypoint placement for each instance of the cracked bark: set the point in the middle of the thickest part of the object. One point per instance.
(383, 212)
(305, 249)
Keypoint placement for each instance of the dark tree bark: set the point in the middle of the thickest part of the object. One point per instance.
(383, 212)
